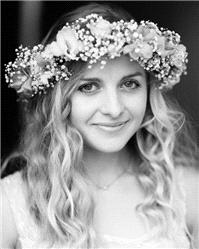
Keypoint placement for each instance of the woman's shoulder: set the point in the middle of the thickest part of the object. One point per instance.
(13, 185)
(14, 188)
(16, 196)
(190, 182)
(16, 177)
(188, 178)
(9, 229)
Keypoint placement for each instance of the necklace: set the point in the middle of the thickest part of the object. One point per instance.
(107, 186)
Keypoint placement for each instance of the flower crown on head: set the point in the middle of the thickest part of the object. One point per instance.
(92, 39)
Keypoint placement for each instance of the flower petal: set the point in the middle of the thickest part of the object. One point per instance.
(53, 49)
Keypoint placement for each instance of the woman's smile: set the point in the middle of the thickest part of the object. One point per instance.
(111, 127)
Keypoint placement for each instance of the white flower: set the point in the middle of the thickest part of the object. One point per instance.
(52, 49)
(22, 85)
(132, 26)
(112, 50)
(179, 55)
(146, 51)
(128, 48)
(147, 33)
(139, 49)
(68, 43)
(101, 29)
(45, 77)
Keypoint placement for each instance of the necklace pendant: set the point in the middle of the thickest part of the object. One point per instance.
(105, 188)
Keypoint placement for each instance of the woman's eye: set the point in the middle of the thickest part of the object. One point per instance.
(131, 84)
(88, 88)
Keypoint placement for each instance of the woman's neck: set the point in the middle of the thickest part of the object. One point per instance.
(102, 168)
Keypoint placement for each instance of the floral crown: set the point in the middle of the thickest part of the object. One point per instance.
(93, 39)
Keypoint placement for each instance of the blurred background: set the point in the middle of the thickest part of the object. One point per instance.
(27, 22)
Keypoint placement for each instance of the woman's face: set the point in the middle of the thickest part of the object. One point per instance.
(109, 104)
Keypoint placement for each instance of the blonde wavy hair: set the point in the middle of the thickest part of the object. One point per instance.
(59, 198)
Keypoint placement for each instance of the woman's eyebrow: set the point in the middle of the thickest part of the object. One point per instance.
(123, 78)
(91, 79)
(132, 75)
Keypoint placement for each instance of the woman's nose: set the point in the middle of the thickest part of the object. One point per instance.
(112, 104)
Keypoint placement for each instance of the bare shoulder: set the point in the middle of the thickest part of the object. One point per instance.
(8, 233)
(191, 187)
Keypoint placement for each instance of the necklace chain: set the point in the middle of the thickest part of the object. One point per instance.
(107, 186)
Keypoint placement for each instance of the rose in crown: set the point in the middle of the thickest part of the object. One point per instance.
(93, 39)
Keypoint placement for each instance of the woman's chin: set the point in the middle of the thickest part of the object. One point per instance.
(108, 148)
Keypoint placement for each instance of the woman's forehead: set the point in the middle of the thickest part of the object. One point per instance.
(119, 66)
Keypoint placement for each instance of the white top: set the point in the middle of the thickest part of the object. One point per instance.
(29, 232)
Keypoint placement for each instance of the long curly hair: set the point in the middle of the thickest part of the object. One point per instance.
(59, 198)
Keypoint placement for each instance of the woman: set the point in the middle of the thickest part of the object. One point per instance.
(103, 146)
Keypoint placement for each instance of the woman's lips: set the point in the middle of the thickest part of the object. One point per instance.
(111, 126)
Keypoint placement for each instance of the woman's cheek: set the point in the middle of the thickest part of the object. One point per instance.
(81, 108)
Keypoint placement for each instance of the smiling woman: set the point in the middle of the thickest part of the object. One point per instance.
(104, 148)
(108, 107)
